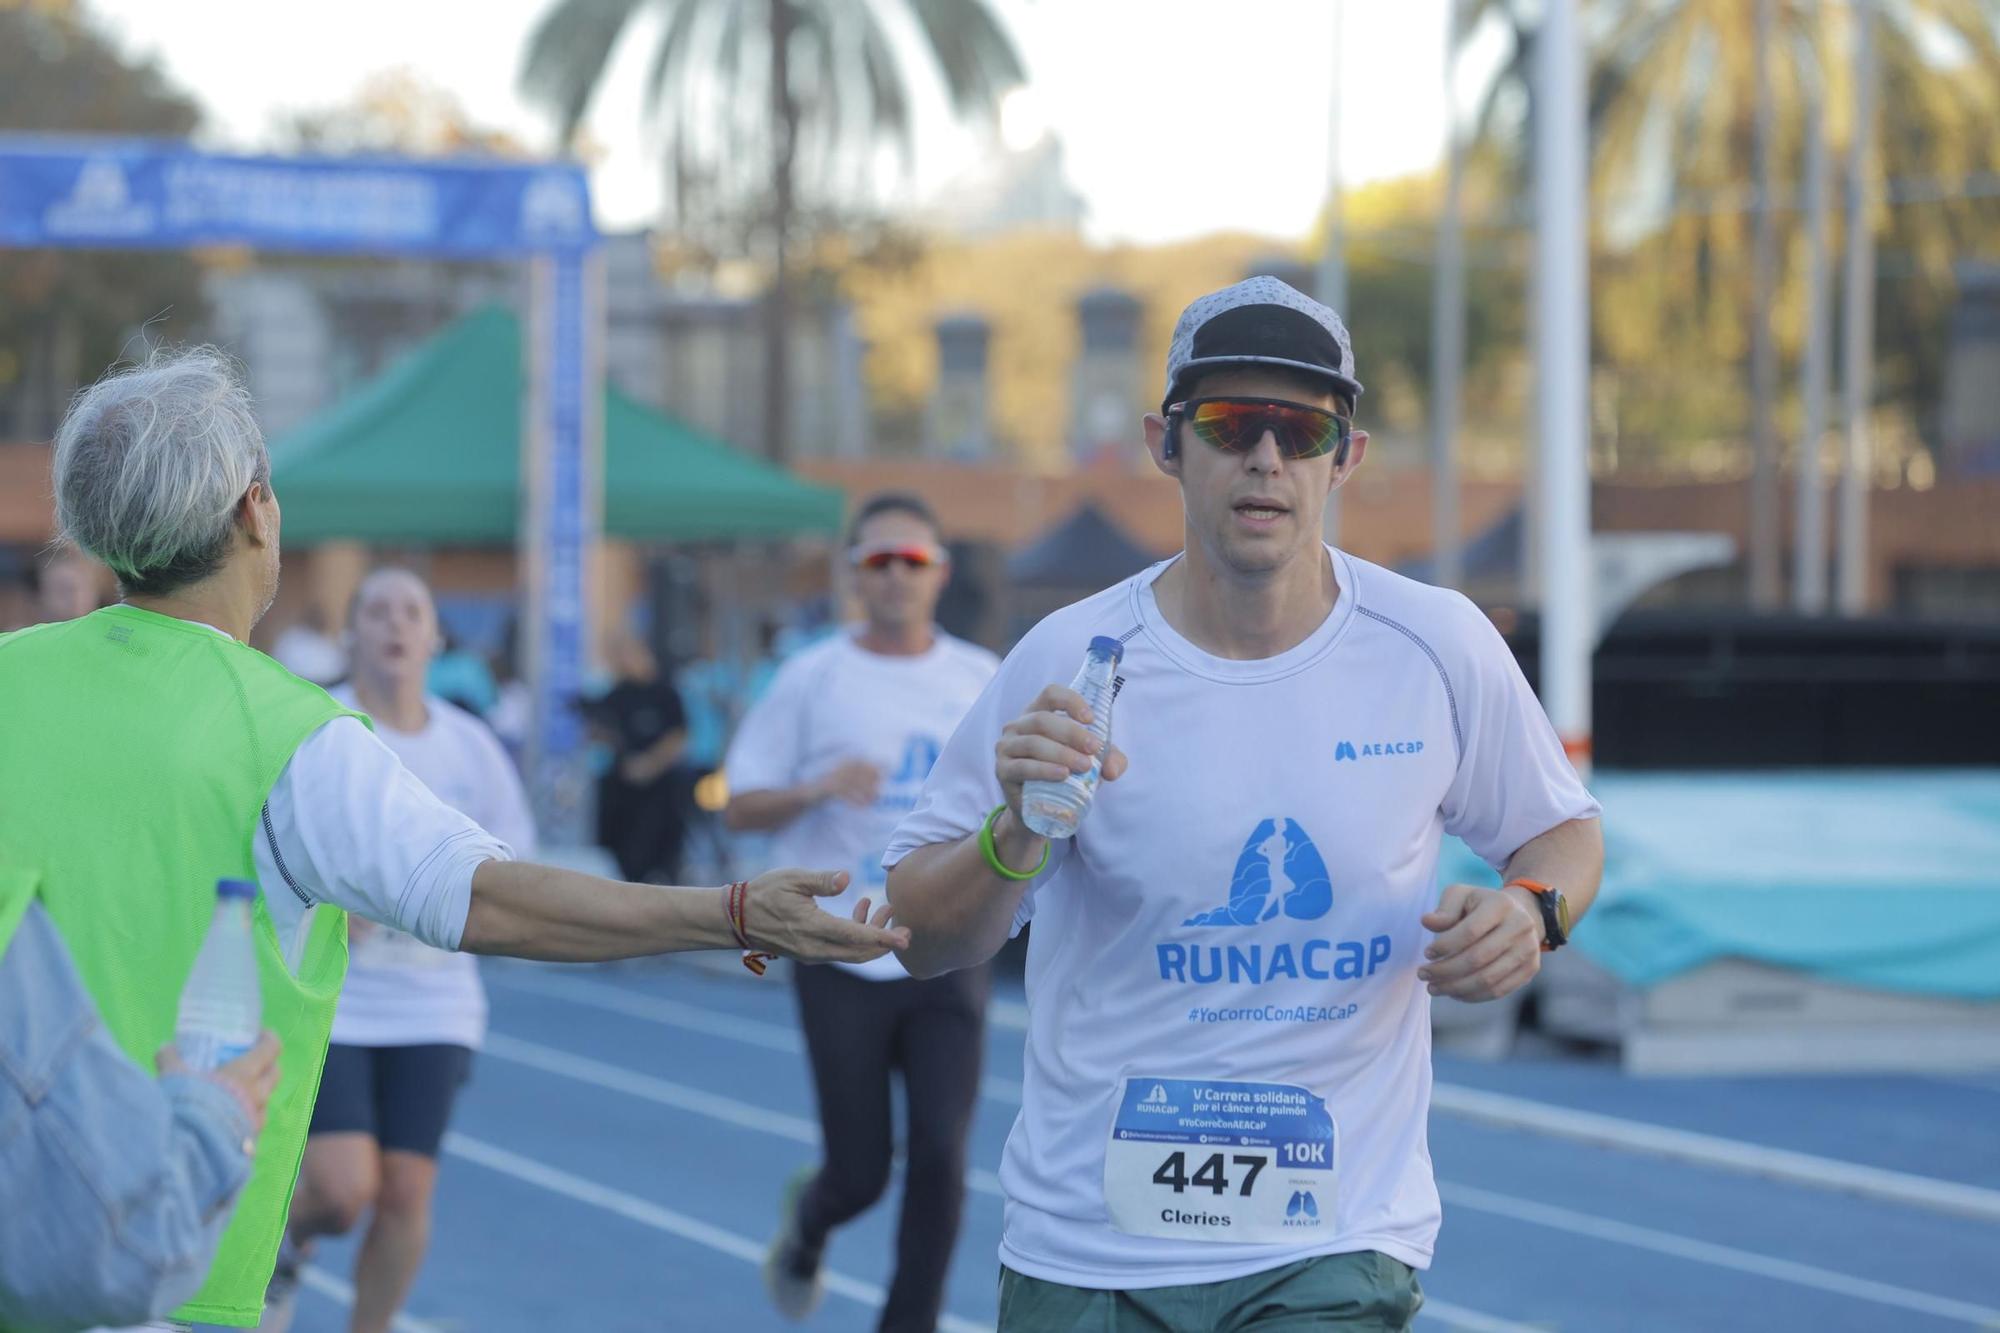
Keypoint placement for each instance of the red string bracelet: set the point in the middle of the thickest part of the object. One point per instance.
(737, 903)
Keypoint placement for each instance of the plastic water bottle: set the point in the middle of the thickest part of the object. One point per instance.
(1054, 809)
(222, 1009)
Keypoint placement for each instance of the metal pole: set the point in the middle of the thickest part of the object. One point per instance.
(1448, 331)
(1809, 552)
(1332, 278)
(563, 495)
(1859, 371)
(1562, 346)
(1766, 578)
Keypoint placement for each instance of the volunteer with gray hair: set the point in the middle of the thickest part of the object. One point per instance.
(162, 753)
(1228, 1061)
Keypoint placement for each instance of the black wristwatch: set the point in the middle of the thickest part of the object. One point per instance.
(1555, 912)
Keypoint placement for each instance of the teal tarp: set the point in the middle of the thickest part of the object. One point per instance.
(1888, 880)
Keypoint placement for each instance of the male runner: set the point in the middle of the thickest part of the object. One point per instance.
(1228, 1062)
(832, 757)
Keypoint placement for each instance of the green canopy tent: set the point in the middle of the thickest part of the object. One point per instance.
(429, 453)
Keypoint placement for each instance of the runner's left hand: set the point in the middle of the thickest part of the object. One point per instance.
(1489, 943)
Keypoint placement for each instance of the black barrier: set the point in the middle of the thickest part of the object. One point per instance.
(1728, 690)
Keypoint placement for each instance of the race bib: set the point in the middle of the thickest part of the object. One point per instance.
(1201, 1159)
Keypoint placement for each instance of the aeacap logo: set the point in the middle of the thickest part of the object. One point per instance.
(1279, 871)
(1349, 750)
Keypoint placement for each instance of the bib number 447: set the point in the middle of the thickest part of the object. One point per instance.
(1211, 1174)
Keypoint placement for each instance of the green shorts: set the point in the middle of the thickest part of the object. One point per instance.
(1366, 1292)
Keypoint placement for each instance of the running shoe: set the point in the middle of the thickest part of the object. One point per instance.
(791, 1270)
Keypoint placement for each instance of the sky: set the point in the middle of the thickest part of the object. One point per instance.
(1178, 117)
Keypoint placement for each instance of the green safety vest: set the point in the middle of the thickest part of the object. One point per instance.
(136, 754)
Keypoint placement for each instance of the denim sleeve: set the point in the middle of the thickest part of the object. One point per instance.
(116, 1187)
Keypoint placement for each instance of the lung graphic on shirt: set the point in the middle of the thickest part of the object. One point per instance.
(898, 795)
(920, 755)
(1278, 871)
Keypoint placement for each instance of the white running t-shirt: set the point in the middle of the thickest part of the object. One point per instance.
(1244, 903)
(835, 702)
(399, 990)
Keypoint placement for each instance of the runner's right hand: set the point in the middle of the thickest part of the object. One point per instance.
(781, 917)
(1048, 743)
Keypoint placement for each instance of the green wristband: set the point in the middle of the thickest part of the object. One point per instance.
(992, 854)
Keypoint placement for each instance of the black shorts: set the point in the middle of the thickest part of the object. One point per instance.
(400, 1095)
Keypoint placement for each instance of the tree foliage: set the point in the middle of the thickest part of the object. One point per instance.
(709, 98)
(65, 314)
(397, 111)
(1672, 95)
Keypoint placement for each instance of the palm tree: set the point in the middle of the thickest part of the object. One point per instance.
(1674, 93)
(775, 116)
(1698, 88)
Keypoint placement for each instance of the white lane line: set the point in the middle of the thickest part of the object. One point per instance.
(651, 1008)
(799, 1130)
(688, 1017)
(661, 1091)
(1508, 1112)
(1720, 1256)
(681, 1097)
(1781, 1164)
(649, 1214)
(341, 1292)
(1457, 1316)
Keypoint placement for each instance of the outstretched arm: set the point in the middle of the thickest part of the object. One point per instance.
(534, 911)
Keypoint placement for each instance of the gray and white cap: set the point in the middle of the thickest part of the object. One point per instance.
(1260, 322)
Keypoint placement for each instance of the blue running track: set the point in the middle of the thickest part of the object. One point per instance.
(616, 1163)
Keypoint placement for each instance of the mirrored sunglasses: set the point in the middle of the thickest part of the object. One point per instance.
(1236, 425)
(910, 557)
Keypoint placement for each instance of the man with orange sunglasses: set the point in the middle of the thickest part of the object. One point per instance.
(1227, 1080)
(831, 757)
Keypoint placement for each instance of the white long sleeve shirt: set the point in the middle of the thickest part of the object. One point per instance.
(346, 823)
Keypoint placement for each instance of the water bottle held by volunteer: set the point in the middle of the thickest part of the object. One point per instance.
(1054, 809)
(222, 1008)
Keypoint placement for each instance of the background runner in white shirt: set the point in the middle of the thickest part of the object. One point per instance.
(410, 1014)
(1249, 909)
(831, 757)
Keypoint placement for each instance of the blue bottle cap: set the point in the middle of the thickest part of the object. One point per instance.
(236, 888)
(1109, 646)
